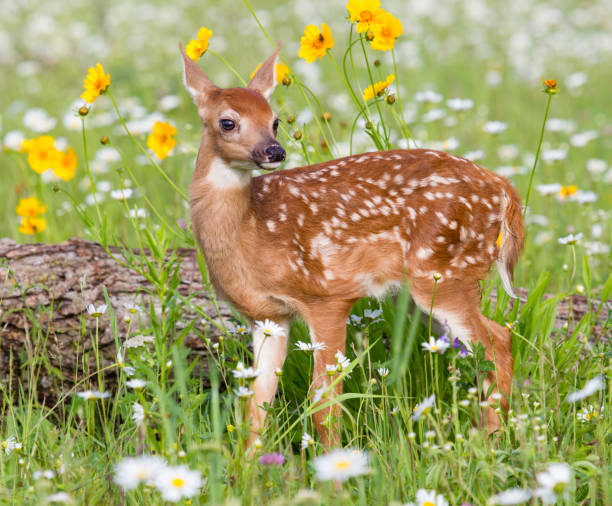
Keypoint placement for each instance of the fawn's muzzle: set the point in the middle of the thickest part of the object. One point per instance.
(270, 157)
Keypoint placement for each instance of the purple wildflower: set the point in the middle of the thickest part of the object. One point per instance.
(272, 459)
(463, 352)
(456, 343)
(181, 223)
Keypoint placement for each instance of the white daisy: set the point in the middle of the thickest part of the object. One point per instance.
(424, 407)
(243, 392)
(247, 373)
(136, 383)
(560, 125)
(175, 483)
(548, 189)
(592, 386)
(313, 346)
(340, 464)
(428, 97)
(132, 471)
(596, 166)
(10, 445)
(307, 441)
(383, 372)
(554, 155)
(36, 119)
(434, 345)
(13, 140)
(98, 311)
(138, 413)
(45, 473)
(581, 139)
(510, 496)
(58, 497)
(122, 194)
(494, 127)
(429, 498)
(270, 329)
(570, 239)
(553, 482)
(460, 104)
(93, 394)
(589, 414)
(137, 341)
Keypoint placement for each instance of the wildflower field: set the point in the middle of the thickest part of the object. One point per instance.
(98, 139)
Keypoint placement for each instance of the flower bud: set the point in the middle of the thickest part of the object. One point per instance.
(391, 99)
(297, 135)
(83, 111)
(327, 116)
(377, 62)
(291, 119)
(286, 81)
(369, 35)
(104, 140)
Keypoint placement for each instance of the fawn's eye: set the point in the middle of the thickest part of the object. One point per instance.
(275, 125)
(227, 124)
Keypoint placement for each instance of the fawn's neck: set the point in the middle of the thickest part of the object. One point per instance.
(220, 197)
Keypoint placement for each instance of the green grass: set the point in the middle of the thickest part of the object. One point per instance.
(187, 415)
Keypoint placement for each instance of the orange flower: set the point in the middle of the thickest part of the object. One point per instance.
(566, 191)
(30, 226)
(281, 72)
(550, 86)
(364, 12)
(42, 153)
(315, 43)
(161, 141)
(66, 165)
(30, 207)
(198, 46)
(96, 83)
(386, 29)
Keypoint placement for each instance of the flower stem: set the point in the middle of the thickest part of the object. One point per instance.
(537, 157)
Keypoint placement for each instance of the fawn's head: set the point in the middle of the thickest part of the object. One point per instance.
(238, 121)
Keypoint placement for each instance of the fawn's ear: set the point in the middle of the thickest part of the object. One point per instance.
(264, 80)
(196, 81)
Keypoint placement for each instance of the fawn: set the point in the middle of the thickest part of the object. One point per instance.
(313, 240)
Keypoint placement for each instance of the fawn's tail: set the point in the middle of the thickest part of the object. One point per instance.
(510, 241)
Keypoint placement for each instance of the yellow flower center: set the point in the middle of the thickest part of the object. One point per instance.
(142, 474)
(559, 487)
(178, 482)
(386, 32)
(319, 41)
(428, 503)
(342, 464)
(366, 16)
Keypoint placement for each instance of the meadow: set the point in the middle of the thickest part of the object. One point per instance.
(520, 88)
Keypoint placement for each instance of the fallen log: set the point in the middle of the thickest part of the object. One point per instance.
(46, 288)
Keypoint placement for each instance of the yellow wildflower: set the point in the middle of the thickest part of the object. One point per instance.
(281, 71)
(42, 153)
(364, 12)
(379, 87)
(66, 164)
(31, 225)
(566, 191)
(95, 83)
(315, 43)
(30, 207)
(550, 86)
(161, 141)
(198, 46)
(386, 29)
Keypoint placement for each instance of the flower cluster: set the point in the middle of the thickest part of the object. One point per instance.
(381, 27)
(198, 46)
(174, 482)
(43, 155)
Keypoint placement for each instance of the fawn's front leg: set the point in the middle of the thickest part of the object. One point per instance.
(269, 354)
(328, 326)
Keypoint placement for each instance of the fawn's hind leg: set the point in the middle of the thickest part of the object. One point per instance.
(457, 303)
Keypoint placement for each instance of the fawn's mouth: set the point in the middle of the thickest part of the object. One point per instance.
(269, 165)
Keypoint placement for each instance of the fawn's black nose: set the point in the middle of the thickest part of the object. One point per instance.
(275, 153)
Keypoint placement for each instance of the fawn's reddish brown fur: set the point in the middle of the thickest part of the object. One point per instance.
(311, 241)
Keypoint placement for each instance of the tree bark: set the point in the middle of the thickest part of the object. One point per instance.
(44, 292)
(46, 288)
